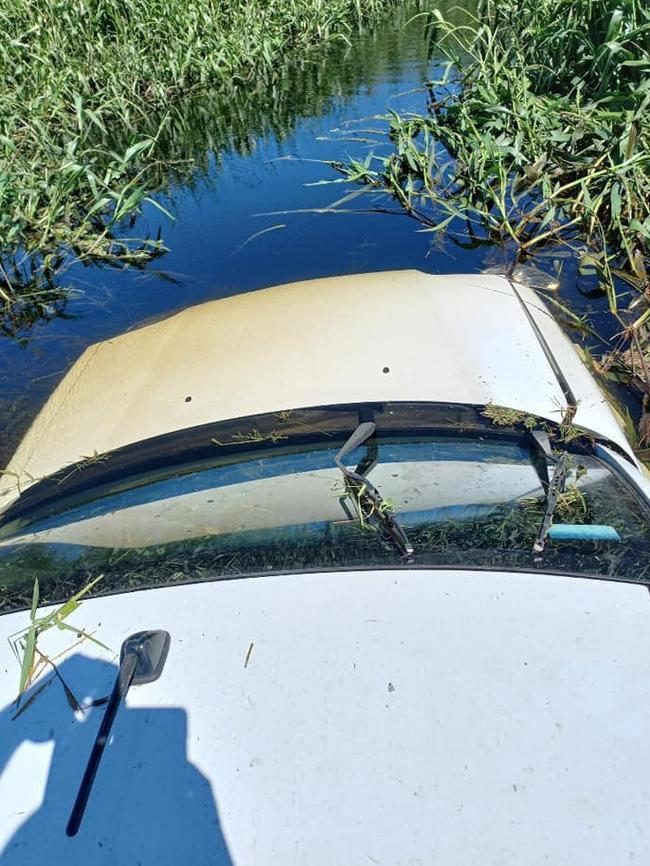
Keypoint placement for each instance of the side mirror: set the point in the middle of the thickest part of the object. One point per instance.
(150, 649)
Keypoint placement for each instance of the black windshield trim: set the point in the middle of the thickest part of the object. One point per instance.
(188, 449)
(569, 396)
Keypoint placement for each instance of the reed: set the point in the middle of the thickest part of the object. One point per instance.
(79, 77)
(536, 133)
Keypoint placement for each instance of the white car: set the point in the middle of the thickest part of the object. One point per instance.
(374, 562)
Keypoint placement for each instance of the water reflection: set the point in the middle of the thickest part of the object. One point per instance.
(149, 805)
(196, 134)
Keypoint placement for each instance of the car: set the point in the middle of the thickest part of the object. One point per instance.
(346, 571)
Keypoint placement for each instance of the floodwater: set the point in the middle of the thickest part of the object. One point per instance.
(246, 216)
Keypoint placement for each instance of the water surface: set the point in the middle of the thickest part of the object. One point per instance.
(244, 217)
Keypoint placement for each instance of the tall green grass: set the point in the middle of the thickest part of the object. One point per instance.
(537, 132)
(77, 77)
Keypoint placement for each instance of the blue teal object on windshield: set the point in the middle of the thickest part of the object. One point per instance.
(583, 532)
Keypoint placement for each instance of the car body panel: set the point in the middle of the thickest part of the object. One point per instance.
(401, 335)
(391, 716)
(464, 718)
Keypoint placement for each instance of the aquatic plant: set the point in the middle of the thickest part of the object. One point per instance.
(79, 77)
(536, 133)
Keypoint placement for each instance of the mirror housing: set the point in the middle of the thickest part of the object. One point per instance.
(150, 649)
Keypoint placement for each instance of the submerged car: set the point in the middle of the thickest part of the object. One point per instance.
(347, 571)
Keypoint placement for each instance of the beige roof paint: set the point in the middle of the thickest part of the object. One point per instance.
(457, 338)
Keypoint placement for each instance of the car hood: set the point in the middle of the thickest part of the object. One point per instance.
(401, 335)
(392, 717)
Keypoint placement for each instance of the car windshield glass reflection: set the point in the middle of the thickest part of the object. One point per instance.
(469, 497)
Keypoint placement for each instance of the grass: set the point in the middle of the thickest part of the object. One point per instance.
(504, 417)
(536, 133)
(81, 82)
(25, 642)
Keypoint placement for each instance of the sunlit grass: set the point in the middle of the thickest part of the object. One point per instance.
(536, 133)
(77, 77)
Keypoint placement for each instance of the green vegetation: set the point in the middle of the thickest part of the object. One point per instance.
(25, 642)
(501, 416)
(89, 93)
(537, 133)
(562, 433)
(240, 437)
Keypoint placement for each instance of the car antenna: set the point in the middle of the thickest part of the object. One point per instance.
(142, 659)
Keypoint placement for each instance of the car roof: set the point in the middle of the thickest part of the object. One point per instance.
(389, 336)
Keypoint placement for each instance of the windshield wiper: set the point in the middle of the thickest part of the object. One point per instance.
(367, 500)
(142, 659)
(553, 487)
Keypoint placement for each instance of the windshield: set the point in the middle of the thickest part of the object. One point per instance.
(264, 495)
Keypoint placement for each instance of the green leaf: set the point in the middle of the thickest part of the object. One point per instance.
(28, 659)
(35, 595)
(439, 226)
(615, 200)
(548, 216)
(642, 228)
(137, 148)
(65, 610)
(73, 603)
(159, 207)
(64, 626)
